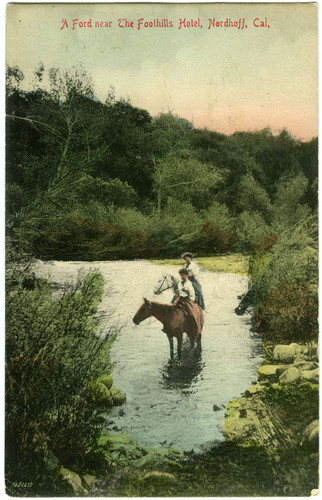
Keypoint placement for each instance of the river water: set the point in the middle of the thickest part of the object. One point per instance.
(179, 404)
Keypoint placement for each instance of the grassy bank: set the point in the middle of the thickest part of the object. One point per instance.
(233, 263)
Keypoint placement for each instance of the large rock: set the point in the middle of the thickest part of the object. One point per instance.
(281, 369)
(290, 376)
(306, 365)
(101, 395)
(89, 481)
(251, 421)
(70, 483)
(311, 375)
(118, 396)
(311, 434)
(285, 353)
(267, 371)
(106, 380)
(253, 389)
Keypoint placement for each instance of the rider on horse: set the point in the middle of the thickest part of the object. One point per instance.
(186, 301)
(193, 272)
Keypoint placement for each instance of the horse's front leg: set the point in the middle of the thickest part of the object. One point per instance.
(179, 338)
(171, 346)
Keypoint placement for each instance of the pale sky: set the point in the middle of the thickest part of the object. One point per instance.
(223, 78)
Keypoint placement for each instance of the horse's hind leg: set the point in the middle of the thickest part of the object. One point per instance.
(198, 340)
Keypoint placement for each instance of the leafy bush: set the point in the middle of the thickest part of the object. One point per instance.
(293, 259)
(178, 221)
(264, 243)
(256, 262)
(129, 218)
(252, 197)
(213, 239)
(115, 192)
(249, 227)
(288, 314)
(219, 213)
(289, 208)
(95, 211)
(79, 239)
(52, 355)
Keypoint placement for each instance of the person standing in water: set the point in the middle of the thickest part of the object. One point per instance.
(193, 272)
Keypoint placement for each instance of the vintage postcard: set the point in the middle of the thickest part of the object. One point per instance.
(162, 250)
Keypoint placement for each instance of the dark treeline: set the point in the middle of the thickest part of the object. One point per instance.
(122, 184)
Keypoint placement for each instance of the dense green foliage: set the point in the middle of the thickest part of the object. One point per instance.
(52, 357)
(289, 313)
(71, 156)
(285, 283)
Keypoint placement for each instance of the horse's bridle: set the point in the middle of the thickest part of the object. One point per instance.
(159, 289)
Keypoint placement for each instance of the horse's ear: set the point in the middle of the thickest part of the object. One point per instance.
(145, 300)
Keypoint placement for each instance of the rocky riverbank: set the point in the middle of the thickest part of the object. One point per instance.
(281, 410)
(272, 432)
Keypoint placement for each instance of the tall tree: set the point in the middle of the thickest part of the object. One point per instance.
(186, 179)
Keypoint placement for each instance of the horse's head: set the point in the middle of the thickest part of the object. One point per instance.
(143, 312)
(165, 283)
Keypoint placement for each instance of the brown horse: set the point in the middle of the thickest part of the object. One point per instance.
(176, 321)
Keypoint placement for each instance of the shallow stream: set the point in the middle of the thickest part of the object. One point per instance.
(179, 404)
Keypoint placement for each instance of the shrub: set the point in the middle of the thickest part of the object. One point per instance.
(177, 220)
(256, 262)
(129, 218)
(249, 227)
(293, 259)
(81, 239)
(219, 213)
(289, 313)
(264, 243)
(52, 355)
(213, 239)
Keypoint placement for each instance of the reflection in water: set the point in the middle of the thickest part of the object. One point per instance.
(184, 373)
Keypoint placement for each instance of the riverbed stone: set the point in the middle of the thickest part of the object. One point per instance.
(89, 481)
(70, 483)
(101, 395)
(261, 425)
(106, 380)
(118, 396)
(311, 375)
(158, 475)
(310, 386)
(306, 365)
(311, 434)
(267, 371)
(285, 353)
(281, 369)
(290, 376)
(253, 389)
